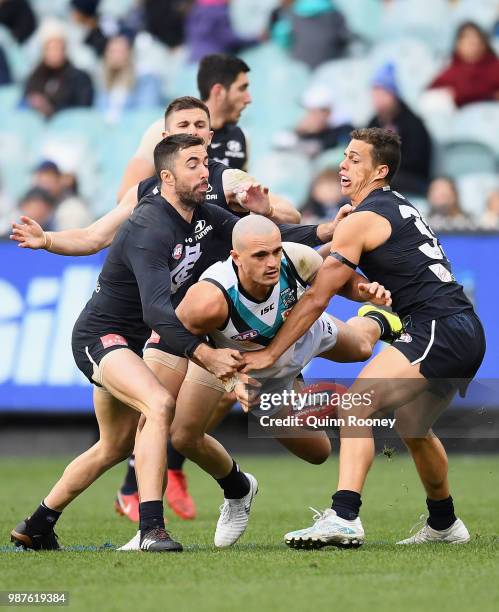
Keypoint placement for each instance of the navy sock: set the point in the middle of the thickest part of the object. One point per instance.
(347, 504)
(151, 516)
(175, 459)
(43, 519)
(235, 485)
(129, 485)
(441, 513)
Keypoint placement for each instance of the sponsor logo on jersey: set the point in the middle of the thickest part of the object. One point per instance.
(209, 195)
(202, 229)
(177, 251)
(215, 145)
(267, 309)
(288, 297)
(97, 286)
(234, 146)
(182, 272)
(113, 340)
(200, 225)
(247, 335)
(405, 337)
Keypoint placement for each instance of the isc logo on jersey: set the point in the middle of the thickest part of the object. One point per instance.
(209, 195)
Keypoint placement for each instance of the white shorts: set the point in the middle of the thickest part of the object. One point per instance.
(321, 337)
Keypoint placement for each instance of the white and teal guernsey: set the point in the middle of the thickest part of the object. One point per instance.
(251, 324)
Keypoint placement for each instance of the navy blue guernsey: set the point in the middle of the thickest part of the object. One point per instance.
(154, 258)
(229, 147)
(411, 263)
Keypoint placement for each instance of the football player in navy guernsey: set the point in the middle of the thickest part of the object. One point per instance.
(230, 189)
(240, 303)
(155, 256)
(224, 87)
(441, 350)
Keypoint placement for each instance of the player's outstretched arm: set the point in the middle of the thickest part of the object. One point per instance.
(79, 241)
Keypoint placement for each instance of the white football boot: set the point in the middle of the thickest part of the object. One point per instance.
(133, 544)
(455, 534)
(329, 529)
(234, 516)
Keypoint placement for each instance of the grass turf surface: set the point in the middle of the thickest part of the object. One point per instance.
(260, 573)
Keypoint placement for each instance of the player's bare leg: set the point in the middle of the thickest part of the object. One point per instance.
(117, 425)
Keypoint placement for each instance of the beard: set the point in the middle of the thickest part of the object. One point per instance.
(190, 198)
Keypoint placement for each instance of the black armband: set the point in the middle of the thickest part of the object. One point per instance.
(343, 260)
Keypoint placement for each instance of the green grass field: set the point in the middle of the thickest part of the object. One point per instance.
(260, 573)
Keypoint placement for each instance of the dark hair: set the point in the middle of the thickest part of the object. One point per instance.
(185, 103)
(218, 68)
(386, 147)
(481, 33)
(167, 149)
(37, 193)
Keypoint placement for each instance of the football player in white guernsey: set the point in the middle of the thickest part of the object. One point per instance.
(267, 278)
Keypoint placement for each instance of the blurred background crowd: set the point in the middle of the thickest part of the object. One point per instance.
(80, 80)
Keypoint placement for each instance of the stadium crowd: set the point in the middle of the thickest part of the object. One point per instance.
(80, 80)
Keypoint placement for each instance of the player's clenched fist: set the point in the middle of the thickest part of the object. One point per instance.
(222, 363)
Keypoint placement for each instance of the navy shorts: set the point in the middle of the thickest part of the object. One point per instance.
(449, 350)
(90, 349)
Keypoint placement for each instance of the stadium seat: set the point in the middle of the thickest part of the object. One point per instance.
(285, 173)
(16, 55)
(431, 24)
(348, 80)
(474, 190)
(484, 12)
(363, 17)
(10, 96)
(46, 8)
(478, 122)
(329, 159)
(251, 17)
(415, 63)
(466, 157)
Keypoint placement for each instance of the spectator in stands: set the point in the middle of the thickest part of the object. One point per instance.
(55, 84)
(40, 206)
(165, 20)
(319, 129)
(473, 73)
(490, 218)
(209, 30)
(5, 76)
(70, 210)
(325, 197)
(445, 211)
(392, 113)
(18, 17)
(315, 30)
(119, 85)
(84, 13)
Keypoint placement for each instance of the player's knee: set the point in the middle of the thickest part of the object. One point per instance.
(110, 455)
(317, 453)
(161, 410)
(185, 440)
(365, 350)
